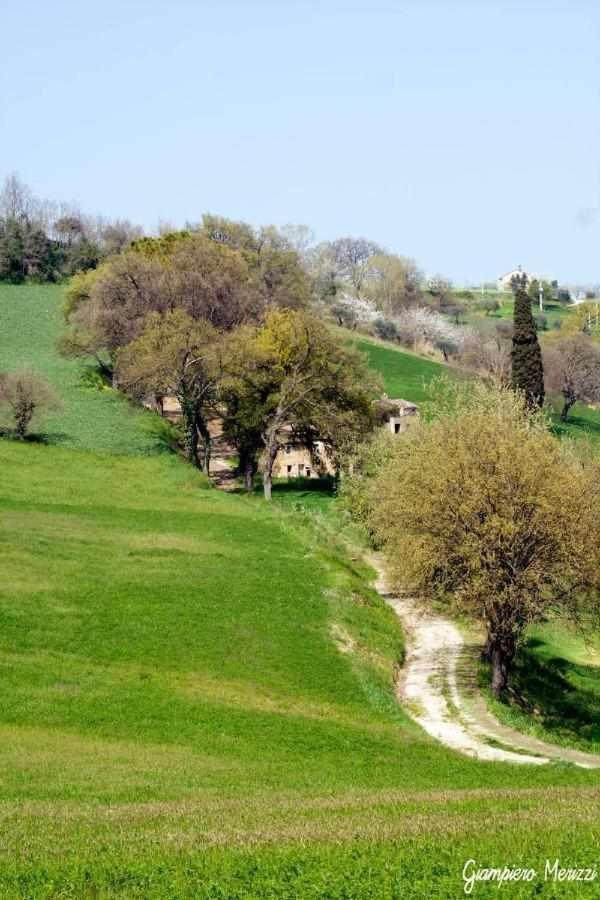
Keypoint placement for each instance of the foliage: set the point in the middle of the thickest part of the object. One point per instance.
(357, 491)
(386, 329)
(24, 399)
(485, 507)
(392, 283)
(351, 311)
(353, 257)
(176, 355)
(527, 365)
(206, 280)
(489, 305)
(293, 373)
(271, 255)
(420, 325)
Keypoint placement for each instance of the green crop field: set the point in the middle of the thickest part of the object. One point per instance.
(197, 689)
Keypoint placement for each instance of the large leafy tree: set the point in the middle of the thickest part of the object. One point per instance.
(209, 281)
(527, 365)
(176, 355)
(484, 509)
(293, 373)
(271, 255)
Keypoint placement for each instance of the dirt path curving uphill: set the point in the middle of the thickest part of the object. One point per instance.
(437, 686)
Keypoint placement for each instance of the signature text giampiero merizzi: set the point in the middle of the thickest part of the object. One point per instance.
(553, 871)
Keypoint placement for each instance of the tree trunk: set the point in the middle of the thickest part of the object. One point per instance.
(268, 473)
(501, 655)
(566, 409)
(202, 429)
(248, 468)
(191, 443)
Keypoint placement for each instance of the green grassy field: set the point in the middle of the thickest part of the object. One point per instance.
(405, 375)
(556, 688)
(197, 693)
(31, 322)
(554, 312)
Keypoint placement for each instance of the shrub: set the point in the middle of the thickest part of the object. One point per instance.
(24, 398)
(385, 329)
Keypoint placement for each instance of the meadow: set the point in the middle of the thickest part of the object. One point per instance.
(197, 689)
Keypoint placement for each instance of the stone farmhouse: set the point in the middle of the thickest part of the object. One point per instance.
(295, 459)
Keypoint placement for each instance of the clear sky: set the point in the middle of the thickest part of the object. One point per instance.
(464, 134)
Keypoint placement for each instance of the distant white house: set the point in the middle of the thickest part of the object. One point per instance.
(505, 281)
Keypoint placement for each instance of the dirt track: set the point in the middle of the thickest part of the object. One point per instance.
(437, 687)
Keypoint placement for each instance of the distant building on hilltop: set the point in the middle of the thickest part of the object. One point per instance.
(504, 283)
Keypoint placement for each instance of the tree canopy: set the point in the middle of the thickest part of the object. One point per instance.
(292, 373)
(527, 365)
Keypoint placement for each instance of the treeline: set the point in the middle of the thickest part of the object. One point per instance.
(43, 241)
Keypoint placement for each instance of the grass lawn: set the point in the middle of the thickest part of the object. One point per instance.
(197, 695)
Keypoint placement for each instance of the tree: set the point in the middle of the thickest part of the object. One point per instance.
(24, 398)
(440, 291)
(392, 283)
(527, 365)
(572, 368)
(271, 255)
(12, 264)
(323, 273)
(16, 199)
(176, 354)
(483, 509)
(352, 256)
(488, 354)
(209, 281)
(292, 373)
(386, 329)
(489, 305)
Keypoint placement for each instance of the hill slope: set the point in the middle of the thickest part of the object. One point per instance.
(31, 322)
(405, 375)
(196, 695)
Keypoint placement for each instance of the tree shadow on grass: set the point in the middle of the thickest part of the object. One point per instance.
(41, 437)
(576, 423)
(561, 695)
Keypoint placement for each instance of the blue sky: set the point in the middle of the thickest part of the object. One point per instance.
(464, 134)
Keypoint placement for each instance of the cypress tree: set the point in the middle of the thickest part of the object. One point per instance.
(527, 366)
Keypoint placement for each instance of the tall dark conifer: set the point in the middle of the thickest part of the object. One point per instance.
(527, 366)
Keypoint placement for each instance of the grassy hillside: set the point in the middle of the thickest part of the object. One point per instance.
(556, 688)
(31, 322)
(196, 695)
(405, 375)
